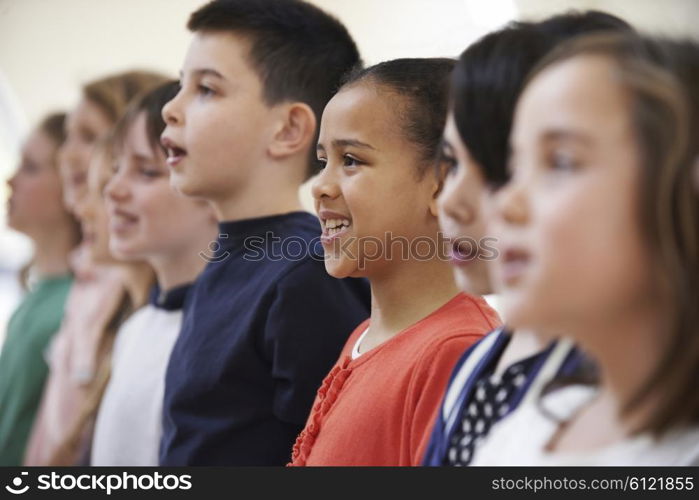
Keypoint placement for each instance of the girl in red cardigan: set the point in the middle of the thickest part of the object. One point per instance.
(376, 201)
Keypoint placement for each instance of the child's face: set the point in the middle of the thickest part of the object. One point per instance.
(35, 204)
(218, 124)
(461, 214)
(567, 224)
(148, 219)
(84, 125)
(368, 191)
(92, 211)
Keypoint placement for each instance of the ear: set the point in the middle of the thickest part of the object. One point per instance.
(295, 130)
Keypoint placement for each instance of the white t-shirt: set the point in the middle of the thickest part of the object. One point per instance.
(129, 422)
(520, 439)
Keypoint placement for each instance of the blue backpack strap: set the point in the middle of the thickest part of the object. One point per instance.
(464, 375)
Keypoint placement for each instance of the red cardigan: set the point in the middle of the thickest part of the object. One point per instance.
(378, 409)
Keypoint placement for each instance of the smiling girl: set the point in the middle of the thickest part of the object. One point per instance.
(376, 201)
(598, 230)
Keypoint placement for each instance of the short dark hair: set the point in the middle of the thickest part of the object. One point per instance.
(299, 51)
(151, 103)
(423, 84)
(53, 125)
(490, 75)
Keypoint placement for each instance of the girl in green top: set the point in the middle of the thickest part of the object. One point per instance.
(36, 209)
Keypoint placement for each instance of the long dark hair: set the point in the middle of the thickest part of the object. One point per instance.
(490, 74)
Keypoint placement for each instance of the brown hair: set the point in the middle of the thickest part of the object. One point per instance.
(76, 440)
(663, 122)
(53, 126)
(151, 103)
(113, 93)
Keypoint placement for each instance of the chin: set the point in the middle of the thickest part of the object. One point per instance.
(12, 224)
(472, 283)
(462, 281)
(518, 311)
(180, 183)
(124, 252)
(338, 269)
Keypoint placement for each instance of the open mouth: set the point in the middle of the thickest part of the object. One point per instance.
(88, 237)
(174, 152)
(79, 178)
(464, 250)
(333, 225)
(514, 264)
(121, 221)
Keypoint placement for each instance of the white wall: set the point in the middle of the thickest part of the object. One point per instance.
(668, 17)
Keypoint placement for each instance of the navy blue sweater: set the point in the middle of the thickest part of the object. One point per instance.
(263, 326)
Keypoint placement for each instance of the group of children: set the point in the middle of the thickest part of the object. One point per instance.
(571, 142)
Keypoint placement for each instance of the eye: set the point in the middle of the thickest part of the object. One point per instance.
(150, 173)
(29, 167)
(88, 136)
(450, 162)
(205, 91)
(350, 161)
(446, 156)
(321, 163)
(563, 162)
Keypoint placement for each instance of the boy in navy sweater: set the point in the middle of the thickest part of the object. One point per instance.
(265, 322)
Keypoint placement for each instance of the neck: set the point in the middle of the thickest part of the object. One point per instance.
(627, 349)
(138, 278)
(52, 250)
(406, 293)
(178, 269)
(269, 193)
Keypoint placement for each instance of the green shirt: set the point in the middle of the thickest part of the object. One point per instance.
(23, 368)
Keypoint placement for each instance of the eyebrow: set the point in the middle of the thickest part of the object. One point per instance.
(143, 158)
(204, 72)
(339, 143)
(557, 135)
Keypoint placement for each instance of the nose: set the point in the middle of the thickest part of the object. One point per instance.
(82, 209)
(12, 181)
(325, 185)
(172, 111)
(69, 153)
(454, 201)
(117, 188)
(510, 203)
